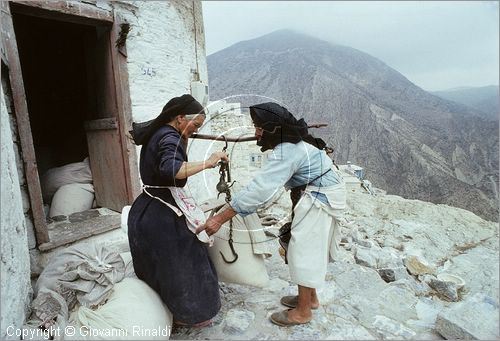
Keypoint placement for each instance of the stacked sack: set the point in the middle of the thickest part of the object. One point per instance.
(90, 292)
(68, 188)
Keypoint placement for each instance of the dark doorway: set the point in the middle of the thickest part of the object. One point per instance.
(69, 85)
(71, 95)
(56, 79)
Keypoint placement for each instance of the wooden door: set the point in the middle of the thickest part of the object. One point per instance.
(106, 163)
(105, 138)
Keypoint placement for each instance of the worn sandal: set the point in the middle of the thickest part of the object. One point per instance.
(281, 319)
(291, 301)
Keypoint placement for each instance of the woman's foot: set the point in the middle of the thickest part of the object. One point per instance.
(289, 317)
(293, 301)
(299, 316)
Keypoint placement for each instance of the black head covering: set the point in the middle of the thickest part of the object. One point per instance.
(183, 105)
(280, 126)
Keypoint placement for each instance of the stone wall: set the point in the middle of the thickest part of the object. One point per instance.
(165, 53)
(162, 52)
(15, 266)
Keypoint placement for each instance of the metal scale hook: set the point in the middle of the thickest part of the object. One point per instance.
(223, 187)
(235, 255)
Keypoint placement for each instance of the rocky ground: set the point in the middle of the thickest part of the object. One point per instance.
(387, 285)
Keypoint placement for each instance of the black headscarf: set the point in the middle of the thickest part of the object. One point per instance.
(280, 126)
(183, 105)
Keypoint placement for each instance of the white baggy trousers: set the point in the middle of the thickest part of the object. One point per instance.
(315, 235)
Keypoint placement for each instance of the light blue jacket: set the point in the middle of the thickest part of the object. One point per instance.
(288, 165)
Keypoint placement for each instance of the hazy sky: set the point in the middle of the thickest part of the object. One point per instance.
(437, 45)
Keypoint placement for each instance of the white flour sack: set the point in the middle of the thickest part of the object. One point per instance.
(248, 240)
(134, 311)
(72, 198)
(72, 173)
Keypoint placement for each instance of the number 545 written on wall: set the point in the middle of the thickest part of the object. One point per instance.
(148, 71)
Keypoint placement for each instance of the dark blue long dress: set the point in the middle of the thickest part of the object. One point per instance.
(165, 254)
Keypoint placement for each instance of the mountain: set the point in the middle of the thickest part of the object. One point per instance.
(484, 99)
(411, 143)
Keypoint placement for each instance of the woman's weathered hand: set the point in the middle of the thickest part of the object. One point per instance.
(215, 158)
(211, 226)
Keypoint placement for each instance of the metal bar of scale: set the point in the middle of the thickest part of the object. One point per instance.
(243, 138)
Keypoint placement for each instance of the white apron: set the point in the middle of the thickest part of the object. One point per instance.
(187, 207)
(315, 235)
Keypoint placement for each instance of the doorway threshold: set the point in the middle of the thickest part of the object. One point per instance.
(81, 225)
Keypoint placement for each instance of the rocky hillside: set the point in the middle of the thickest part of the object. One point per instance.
(389, 281)
(411, 143)
(484, 99)
(387, 284)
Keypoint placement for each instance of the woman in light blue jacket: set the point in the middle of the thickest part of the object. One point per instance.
(298, 162)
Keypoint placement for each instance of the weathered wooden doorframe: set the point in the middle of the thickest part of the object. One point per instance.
(79, 13)
(118, 35)
(20, 106)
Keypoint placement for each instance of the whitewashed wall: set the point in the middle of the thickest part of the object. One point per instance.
(15, 265)
(161, 52)
(165, 53)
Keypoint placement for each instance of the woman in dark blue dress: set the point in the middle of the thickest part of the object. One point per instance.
(165, 253)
